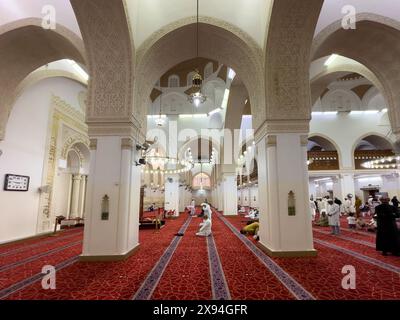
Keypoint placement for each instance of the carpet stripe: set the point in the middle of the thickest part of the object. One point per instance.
(219, 286)
(360, 256)
(368, 234)
(4, 293)
(38, 256)
(365, 243)
(20, 249)
(153, 278)
(290, 283)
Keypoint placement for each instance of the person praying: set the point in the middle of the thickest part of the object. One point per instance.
(205, 227)
(207, 210)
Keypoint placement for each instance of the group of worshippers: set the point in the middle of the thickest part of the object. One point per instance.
(385, 218)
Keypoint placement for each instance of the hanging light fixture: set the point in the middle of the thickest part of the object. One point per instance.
(160, 121)
(197, 97)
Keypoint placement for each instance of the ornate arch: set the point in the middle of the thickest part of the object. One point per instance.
(225, 43)
(331, 141)
(381, 58)
(320, 82)
(26, 46)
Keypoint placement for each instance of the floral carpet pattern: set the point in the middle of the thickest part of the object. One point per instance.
(227, 266)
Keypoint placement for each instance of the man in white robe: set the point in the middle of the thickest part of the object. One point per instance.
(334, 217)
(205, 227)
(313, 209)
(207, 210)
(192, 208)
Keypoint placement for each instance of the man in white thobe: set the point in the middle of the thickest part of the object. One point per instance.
(207, 210)
(334, 217)
(205, 227)
(313, 209)
(192, 208)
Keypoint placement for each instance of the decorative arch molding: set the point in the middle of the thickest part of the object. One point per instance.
(61, 30)
(70, 144)
(26, 46)
(384, 33)
(390, 140)
(226, 44)
(331, 141)
(320, 82)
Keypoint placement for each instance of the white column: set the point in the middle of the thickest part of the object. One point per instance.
(172, 193)
(347, 185)
(82, 196)
(76, 185)
(182, 199)
(112, 173)
(229, 184)
(282, 169)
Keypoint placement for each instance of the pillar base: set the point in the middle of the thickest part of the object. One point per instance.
(110, 258)
(288, 254)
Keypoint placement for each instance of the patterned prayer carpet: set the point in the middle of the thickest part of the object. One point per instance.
(226, 266)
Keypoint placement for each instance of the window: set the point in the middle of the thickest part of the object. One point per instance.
(208, 70)
(201, 180)
(173, 81)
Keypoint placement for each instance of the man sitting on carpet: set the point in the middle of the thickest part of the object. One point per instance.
(323, 220)
(205, 227)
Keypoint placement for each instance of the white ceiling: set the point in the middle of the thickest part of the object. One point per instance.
(147, 16)
(11, 10)
(332, 10)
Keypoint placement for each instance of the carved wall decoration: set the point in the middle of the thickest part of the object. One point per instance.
(62, 114)
(224, 43)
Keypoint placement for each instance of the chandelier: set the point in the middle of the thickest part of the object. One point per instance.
(160, 121)
(384, 163)
(182, 166)
(197, 97)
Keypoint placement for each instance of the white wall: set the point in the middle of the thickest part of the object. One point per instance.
(352, 128)
(24, 154)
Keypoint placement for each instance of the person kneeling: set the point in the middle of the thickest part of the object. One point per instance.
(205, 227)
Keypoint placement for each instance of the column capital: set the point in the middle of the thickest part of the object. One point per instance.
(122, 129)
(93, 144)
(77, 177)
(282, 126)
(127, 144)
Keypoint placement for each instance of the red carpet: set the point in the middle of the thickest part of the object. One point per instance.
(322, 276)
(107, 281)
(247, 278)
(187, 275)
(26, 244)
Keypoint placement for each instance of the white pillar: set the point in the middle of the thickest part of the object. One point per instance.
(282, 171)
(76, 185)
(347, 185)
(112, 174)
(182, 199)
(82, 196)
(230, 202)
(172, 193)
